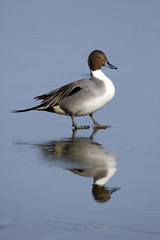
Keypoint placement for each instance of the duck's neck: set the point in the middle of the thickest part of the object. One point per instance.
(99, 74)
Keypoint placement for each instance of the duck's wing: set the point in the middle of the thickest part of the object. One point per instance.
(56, 96)
(53, 98)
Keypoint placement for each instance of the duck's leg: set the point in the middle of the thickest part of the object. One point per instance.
(76, 126)
(96, 124)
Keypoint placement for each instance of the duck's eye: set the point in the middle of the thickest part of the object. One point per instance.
(99, 58)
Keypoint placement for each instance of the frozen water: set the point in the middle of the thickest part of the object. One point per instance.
(46, 176)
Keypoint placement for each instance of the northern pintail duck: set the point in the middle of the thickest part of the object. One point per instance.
(82, 97)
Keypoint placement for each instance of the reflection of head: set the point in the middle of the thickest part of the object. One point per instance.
(102, 194)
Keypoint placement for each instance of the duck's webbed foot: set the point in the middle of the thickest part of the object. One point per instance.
(81, 126)
(97, 125)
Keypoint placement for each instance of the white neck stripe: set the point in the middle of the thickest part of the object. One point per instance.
(99, 74)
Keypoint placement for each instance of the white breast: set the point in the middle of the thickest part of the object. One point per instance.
(109, 90)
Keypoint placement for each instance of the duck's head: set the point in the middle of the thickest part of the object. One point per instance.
(98, 59)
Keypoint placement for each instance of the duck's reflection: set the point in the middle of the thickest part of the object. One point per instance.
(85, 157)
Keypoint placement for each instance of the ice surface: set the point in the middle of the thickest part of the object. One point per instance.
(45, 44)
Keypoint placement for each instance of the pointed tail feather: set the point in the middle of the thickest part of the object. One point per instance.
(26, 110)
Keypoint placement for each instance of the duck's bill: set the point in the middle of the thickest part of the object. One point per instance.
(107, 64)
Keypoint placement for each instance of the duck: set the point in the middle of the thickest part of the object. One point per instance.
(82, 97)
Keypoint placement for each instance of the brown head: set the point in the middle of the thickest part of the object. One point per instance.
(98, 59)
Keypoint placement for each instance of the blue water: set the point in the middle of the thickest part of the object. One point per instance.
(47, 172)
